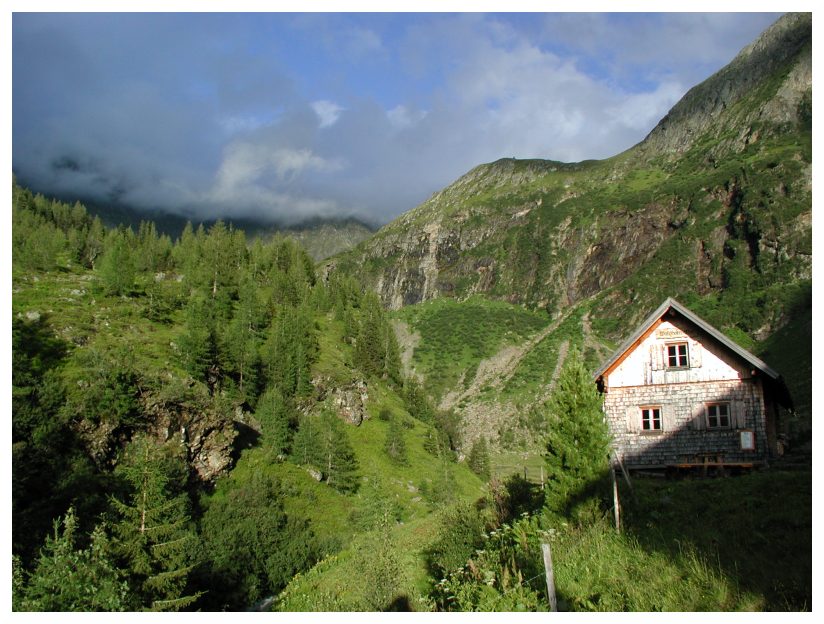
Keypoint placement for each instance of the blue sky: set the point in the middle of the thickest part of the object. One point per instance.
(283, 116)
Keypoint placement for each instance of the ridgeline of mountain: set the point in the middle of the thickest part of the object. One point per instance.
(321, 237)
(713, 207)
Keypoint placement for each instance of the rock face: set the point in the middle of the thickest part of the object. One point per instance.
(721, 185)
(207, 434)
(348, 399)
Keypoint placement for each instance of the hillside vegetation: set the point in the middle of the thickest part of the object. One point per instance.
(266, 405)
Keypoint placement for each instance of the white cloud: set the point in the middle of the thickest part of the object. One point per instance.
(402, 117)
(641, 111)
(328, 112)
(236, 124)
(426, 99)
(249, 165)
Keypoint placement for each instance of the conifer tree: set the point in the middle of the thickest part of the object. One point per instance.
(395, 444)
(117, 264)
(253, 547)
(242, 338)
(68, 578)
(392, 354)
(274, 415)
(153, 533)
(479, 458)
(94, 242)
(578, 443)
(417, 403)
(198, 344)
(321, 441)
(339, 464)
(290, 351)
(306, 442)
(369, 352)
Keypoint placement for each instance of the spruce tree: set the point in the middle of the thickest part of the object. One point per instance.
(198, 344)
(339, 464)
(69, 578)
(392, 353)
(253, 547)
(154, 535)
(322, 442)
(242, 338)
(274, 413)
(578, 444)
(306, 449)
(368, 354)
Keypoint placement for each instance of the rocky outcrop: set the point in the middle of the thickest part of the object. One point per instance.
(348, 400)
(190, 419)
(206, 432)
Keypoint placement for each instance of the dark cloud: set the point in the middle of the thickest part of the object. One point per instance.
(289, 116)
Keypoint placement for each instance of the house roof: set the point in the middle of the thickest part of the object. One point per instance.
(669, 304)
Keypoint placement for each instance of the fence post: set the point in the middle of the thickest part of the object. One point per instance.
(550, 577)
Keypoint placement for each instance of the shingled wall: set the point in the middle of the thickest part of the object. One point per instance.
(684, 435)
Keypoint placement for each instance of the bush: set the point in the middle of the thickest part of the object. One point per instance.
(461, 533)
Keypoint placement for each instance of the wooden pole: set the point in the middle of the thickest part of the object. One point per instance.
(616, 504)
(623, 471)
(550, 577)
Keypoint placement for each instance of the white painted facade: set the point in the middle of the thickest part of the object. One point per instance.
(646, 364)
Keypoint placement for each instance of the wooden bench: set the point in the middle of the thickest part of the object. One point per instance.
(704, 461)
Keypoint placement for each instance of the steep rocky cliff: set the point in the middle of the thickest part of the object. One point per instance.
(714, 203)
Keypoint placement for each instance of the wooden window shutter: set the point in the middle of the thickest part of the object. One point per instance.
(658, 356)
(695, 355)
(738, 414)
(699, 417)
(633, 419)
(665, 417)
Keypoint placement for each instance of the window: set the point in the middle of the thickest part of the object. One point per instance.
(651, 419)
(718, 416)
(677, 355)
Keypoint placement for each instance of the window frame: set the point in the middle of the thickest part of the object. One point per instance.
(718, 416)
(678, 356)
(651, 420)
